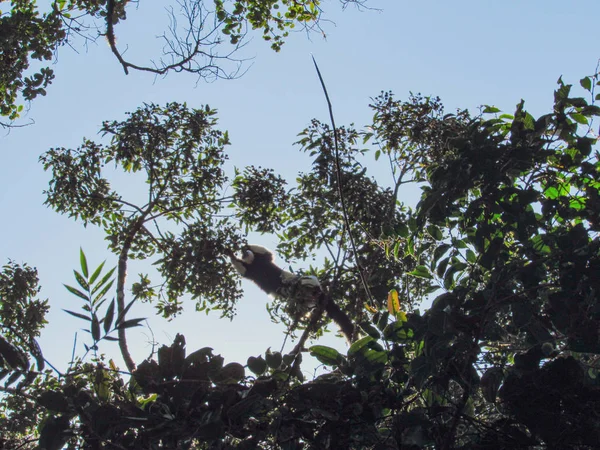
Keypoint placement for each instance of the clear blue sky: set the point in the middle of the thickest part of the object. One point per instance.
(467, 52)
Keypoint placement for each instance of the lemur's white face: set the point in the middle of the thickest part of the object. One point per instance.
(248, 257)
(259, 250)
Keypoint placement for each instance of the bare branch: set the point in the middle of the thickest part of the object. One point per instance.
(191, 48)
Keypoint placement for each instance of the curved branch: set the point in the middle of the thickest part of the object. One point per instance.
(121, 277)
(183, 50)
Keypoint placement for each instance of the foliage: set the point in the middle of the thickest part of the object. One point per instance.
(179, 153)
(93, 288)
(29, 34)
(505, 233)
(22, 316)
(26, 34)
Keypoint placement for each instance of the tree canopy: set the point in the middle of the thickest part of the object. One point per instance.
(504, 237)
(503, 242)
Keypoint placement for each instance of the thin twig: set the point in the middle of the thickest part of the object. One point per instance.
(338, 173)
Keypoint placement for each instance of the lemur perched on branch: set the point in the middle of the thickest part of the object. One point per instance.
(302, 292)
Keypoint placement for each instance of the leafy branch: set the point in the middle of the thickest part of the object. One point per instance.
(92, 290)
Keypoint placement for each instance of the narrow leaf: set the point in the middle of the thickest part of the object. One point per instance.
(123, 314)
(83, 263)
(95, 328)
(81, 316)
(99, 304)
(440, 251)
(97, 272)
(130, 323)
(104, 279)
(110, 315)
(81, 280)
(103, 292)
(76, 292)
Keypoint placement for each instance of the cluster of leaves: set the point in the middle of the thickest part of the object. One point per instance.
(312, 218)
(260, 195)
(266, 15)
(512, 201)
(93, 288)
(26, 34)
(22, 316)
(180, 154)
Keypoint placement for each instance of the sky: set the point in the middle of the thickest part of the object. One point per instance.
(467, 52)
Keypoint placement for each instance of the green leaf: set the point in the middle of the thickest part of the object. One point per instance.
(369, 329)
(76, 292)
(103, 292)
(131, 323)
(579, 118)
(80, 316)
(326, 355)
(449, 277)
(105, 278)
(577, 203)
(551, 193)
(402, 230)
(376, 356)
(96, 273)
(95, 328)
(83, 263)
(257, 365)
(421, 272)
(273, 359)
(539, 245)
(441, 268)
(490, 110)
(586, 83)
(459, 243)
(435, 232)
(471, 257)
(123, 313)
(359, 345)
(439, 251)
(383, 320)
(81, 280)
(110, 315)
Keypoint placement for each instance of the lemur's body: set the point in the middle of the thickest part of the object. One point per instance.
(304, 291)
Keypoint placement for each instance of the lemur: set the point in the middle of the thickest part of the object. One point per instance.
(304, 291)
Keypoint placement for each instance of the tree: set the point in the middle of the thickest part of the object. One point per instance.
(505, 235)
(205, 45)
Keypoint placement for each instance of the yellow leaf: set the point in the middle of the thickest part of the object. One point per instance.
(370, 308)
(393, 302)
